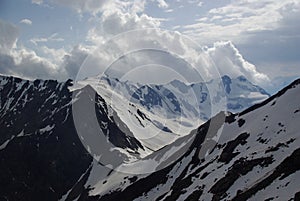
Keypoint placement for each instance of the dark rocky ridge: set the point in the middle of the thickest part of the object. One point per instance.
(43, 157)
(238, 166)
(45, 164)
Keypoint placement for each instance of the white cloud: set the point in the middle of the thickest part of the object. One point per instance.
(80, 6)
(176, 27)
(162, 4)
(53, 38)
(230, 62)
(95, 6)
(73, 61)
(59, 64)
(119, 17)
(133, 37)
(39, 2)
(20, 61)
(112, 23)
(235, 21)
(23, 62)
(8, 36)
(200, 3)
(142, 41)
(223, 57)
(197, 2)
(267, 32)
(169, 11)
(26, 21)
(54, 55)
(27, 64)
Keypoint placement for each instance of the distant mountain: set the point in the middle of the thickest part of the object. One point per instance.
(255, 158)
(192, 101)
(159, 114)
(241, 93)
(46, 153)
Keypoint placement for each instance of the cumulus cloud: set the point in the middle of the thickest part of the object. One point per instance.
(80, 6)
(26, 63)
(20, 61)
(116, 33)
(128, 32)
(8, 36)
(230, 62)
(73, 61)
(95, 6)
(115, 23)
(124, 53)
(236, 20)
(37, 2)
(143, 66)
(144, 40)
(121, 18)
(55, 55)
(59, 64)
(197, 2)
(268, 45)
(162, 4)
(26, 21)
(267, 32)
(200, 3)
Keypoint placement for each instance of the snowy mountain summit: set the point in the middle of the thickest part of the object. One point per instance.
(47, 154)
(158, 114)
(191, 100)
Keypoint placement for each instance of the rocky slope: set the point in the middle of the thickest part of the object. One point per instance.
(46, 153)
(255, 158)
(42, 155)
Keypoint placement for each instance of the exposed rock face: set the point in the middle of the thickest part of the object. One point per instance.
(250, 155)
(41, 154)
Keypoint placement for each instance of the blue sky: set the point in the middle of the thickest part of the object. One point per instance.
(51, 39)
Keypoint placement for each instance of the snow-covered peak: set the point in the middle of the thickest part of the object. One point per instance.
(252, 155)
(191, 100)
(159, 114)
(255, 158)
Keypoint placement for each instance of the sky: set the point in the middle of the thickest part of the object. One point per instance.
(61, 39)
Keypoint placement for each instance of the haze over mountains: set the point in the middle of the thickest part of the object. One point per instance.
(145, 146)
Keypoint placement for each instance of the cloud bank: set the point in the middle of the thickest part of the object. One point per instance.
(109, 20)
(229, 61)
(20, 61)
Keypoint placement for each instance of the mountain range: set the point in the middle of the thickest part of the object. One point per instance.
(105, 139)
